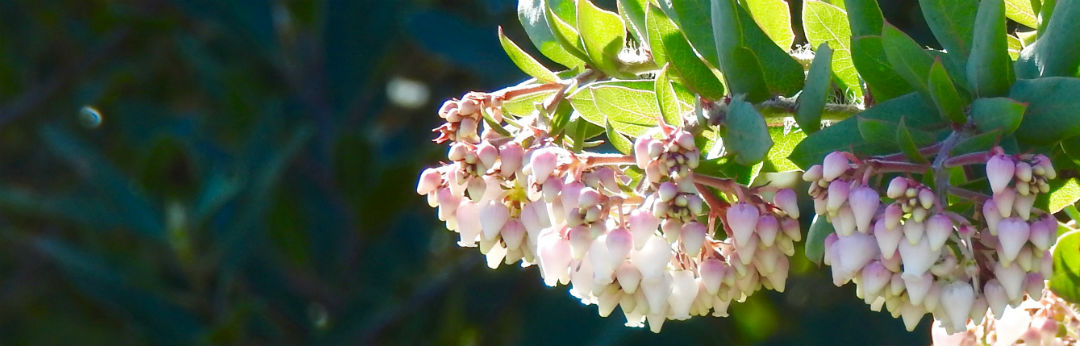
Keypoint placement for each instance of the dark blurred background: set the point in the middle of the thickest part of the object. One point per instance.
(243, 172)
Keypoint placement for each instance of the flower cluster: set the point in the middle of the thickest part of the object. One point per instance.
(913, 256)
(1044, 319)
(645, 246)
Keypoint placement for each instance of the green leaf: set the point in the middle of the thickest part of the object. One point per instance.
(909, 59)
(953, 23)
(681, 58)
(533, 17)
(998, 113)
(812, 99)
(949, 102)
(1065, 282)
(1064, 196)
(865, 17)
(633, 13)
(979, 142)
(907, 143)
(631, 111)
(526, 62)
(603, 34)
(989, 67)
(1056, 52)
(567, 36)
(845, 135)
(815, 239)
(667, 100)
(695, 22)
(525, 105)
(617, 140)
(1052, 107)
(868, 56)
(774, 17)
(877, 130)
(1015, 46)
(743, 50)
(1021, 12)
(746, 134)
(784, 75)
(823, 23)
(784, 143)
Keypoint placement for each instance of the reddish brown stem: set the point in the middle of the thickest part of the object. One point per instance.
(968, 159)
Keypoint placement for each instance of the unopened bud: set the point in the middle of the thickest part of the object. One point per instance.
(693, 236)
(813, 173)
(927, 198)
(844, 221)
(992, 216)
(487, 154)
(918, 286)
(430, 180)
(1023, 171)
(918, 257)
(957, 299)
(897, 187)
(787, 201)
(838, 195)
(1012, 233)
(914, 231)
(999, 171)
(510, 154)
(767, 228)
(641, 151)
(1012, 280)
(874, 279)
(629, 277)
(1023, 205)
(1043, 232)
(938, 229)
(887, 239)
(619, 243)
(667, 191)
(864, 204)
(543, 164)
(686, 141)
(835, 165)
(742, 218)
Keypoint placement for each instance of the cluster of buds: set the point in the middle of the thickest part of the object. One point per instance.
(912, 256)
(646, 248)
(1044, 319)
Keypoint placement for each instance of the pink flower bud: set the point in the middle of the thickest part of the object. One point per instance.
(555, 256)
(830, 241)
(918, 286)
(1043, 232)
(655, 149)
(468, 106)
(642, 225)
(487, 154)
(1023, 205)
(938, 229)
(588, 198)
(874, 279)
(838, 195)
(999, 171)
(1011, 279)
(1012, 233)
(813, 173)
(778, 278)
(791, 229)
(864, 204)
(511, 155)
(992, 216)
(844, 221)
(469, 225)
(767, 229)
(835, 165)
(887, 239)
(430, 180)
(893, 213)
(467, 129)
(667, 191)
(855, 251)
(694, 203)
(551, 189)
(671, 228)
(995, 297)
(917, 257)
(513, 233)
(641, 151)
(712, 274)
(653, 258)
(957, 299)
(580, 240)
(1006, 201)
(787, 201)
(493, 217)
(685, 140)
(927, 198)
(820, 204)
(619, 243)
(1033, 285)
(693, 236)
(1023, 171)
(628, 277)
(742, 218)
(897, 187)
(543, 163)
(914, 231)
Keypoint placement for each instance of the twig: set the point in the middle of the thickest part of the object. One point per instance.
(785, 106)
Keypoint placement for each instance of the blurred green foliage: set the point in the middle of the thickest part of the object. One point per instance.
(233, 172)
